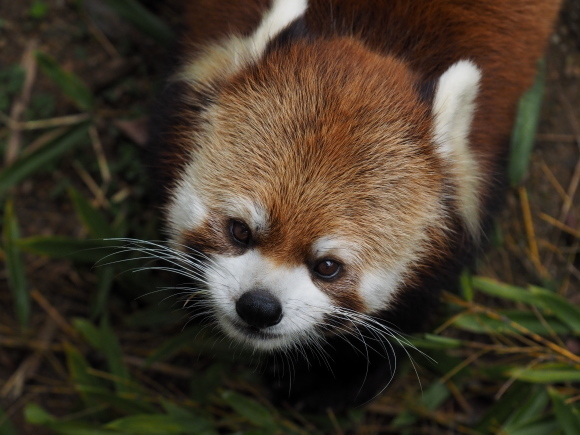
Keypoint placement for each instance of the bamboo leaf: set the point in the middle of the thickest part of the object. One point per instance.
(142, 19)
(504, 291)
(78, 369)
(25, 166)
(6, 426)
(564, 310)
(15, 266)
(159, 424)
(111, 348)
(524, 132)
(249, 409)
(70, 84)
(36, 415)
(568, 416)
(482, 324)
(92, 219)
(83, 251)
(544, 375)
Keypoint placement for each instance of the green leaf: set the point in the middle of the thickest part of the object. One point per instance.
(249, 409)
(142, 19)
(482, 324)
(466, 285)
(70, 84)
(105, 278)
(564, 310)
(24, 167)
(160, 424)
(36, 415)
(544, 375)
(524, 132)
(6, 426)
(528, 411)
(111, 348)
(431, 341)
(92, 219)
(89, 332)
(82, 251)
(15, 266)
(78, 369)
(173, 345)
(500, 411)
(38, 9)
(544, 426)
(433, 398)
(504, 291)
(568, 416)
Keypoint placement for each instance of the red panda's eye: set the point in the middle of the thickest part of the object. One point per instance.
(240, 232)
(327, 269)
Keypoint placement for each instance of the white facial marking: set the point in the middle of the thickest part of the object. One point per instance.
(453, 108)
(303, 304)
(229, 56)
(378, 288)
(251, 213)
(342, 249)
(185, 210)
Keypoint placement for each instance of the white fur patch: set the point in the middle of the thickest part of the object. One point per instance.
(251, 213)
(283, 12)
(335, 247)
(186, 210)
(229, 56)
(303, 304)
(378, 288)
(453, 109)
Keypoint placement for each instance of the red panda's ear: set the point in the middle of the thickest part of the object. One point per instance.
(219, 60)
(453, 110)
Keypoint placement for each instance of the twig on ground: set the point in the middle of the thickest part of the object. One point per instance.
(21, 103)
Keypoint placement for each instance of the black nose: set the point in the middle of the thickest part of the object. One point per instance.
(259, 308)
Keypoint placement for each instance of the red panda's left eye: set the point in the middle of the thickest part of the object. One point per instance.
(327, 268)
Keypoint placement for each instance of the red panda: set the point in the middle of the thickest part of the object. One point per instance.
(329, 165)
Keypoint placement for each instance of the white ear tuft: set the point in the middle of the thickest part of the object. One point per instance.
(453, 109)
(230, 55)
(283, 12)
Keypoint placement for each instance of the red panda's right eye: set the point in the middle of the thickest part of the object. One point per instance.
(240, 232)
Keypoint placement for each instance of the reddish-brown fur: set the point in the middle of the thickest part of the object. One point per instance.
(332, 134)
(430, 35)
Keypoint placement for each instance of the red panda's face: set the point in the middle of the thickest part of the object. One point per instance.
(314, 191)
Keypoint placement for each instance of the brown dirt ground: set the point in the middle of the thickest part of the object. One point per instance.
(64, 33)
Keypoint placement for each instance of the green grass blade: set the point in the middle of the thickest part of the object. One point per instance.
(82, 251)
(529, 410)
(39, 159)
(542, 375)
(105, 278)
(112, 350)
(78, 368)
(70, 84)
(15, 266)
(504, 291)
(6, 426)
(568, 416)
(564, 310)
(524, 132)
(142, 19)
(34, 414)
(157, 424)
(482, 324)
(93, 220)
(249, 409)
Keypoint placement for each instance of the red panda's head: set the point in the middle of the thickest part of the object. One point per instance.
(318, 179)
